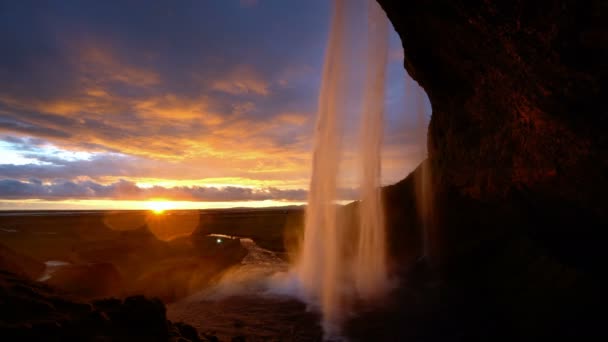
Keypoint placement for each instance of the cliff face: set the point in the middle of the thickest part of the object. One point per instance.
(517, 90)
(519, 165)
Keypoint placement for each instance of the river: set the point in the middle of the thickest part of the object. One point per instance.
(246, 301)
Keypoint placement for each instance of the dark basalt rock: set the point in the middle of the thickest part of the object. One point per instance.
(519, 161)
(187, 331)
(32, 311)
(517, 90)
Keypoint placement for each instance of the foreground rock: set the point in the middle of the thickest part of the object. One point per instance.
(92, 280)
(32, 311)
(19, 263)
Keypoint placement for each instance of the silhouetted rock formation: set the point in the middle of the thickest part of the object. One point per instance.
(33, 311)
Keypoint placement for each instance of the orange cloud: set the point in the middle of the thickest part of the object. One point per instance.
(99, 62)
(242, 80)
(173, 107)
(297, 119)
(166, 134)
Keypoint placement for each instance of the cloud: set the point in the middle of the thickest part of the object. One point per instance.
(242, 164)
(297, 119)
(99, 65)
(242, 80)
(125, 190)
(163, 85)
(14, 125)
(24, 143)
(175, 108)
(169, 92)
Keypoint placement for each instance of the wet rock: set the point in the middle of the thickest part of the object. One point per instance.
(107, 304)
(210, 338)
(187, 331)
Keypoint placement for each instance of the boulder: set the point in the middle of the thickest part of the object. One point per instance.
(33, 311)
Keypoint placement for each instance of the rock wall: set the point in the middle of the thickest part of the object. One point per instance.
(519, 163)
(517, 90)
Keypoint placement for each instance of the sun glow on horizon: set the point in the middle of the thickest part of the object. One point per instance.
(106, 204)
(159, 207)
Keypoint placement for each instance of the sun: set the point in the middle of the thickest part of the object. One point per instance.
(159, 207)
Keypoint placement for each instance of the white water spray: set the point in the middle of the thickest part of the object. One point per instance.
(331, 273)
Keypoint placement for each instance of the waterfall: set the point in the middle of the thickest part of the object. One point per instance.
(370, 263)
(330, 272)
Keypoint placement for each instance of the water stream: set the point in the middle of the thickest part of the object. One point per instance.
(249, 300)
(332, 274)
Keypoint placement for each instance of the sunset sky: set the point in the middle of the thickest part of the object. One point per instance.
(109, 104)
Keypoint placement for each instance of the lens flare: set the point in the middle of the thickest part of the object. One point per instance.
(159, 207)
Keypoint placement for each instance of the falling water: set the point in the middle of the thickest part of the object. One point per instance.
(423, 179)
(370, 266)
(317, 268)
(330, 273)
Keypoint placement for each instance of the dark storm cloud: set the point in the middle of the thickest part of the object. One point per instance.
(97, 167)
(11, 125)
(182, 44)
(125, 190)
